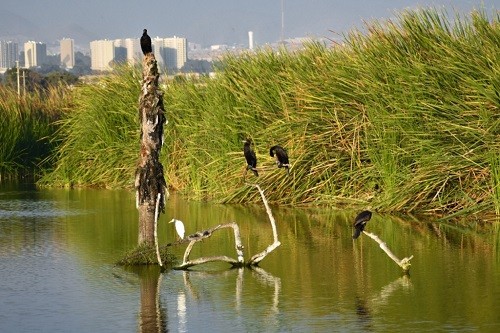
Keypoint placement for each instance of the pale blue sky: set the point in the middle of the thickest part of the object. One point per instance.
(202, 21)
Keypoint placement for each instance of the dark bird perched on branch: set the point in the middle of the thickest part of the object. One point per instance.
(360, 222)
(250, 157)
(146, 43)
(279, 153)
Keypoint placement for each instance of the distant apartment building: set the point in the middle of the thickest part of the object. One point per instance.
(102, 54)
(157, 44)
(170, 52)
(178, 52)
(35, 54)
(9, 54)
(67, 53)
(134, 53)
(120, 51)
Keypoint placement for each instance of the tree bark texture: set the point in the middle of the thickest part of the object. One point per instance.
(149, 178)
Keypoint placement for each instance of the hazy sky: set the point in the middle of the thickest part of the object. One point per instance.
(201, 21)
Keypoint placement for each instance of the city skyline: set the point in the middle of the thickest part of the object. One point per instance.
(206, 23)
(171, 52)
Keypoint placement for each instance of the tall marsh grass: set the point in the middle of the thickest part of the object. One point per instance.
(26, 126)
(402, 118)
(98, 140)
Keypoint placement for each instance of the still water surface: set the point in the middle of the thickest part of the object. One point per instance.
(57, 272)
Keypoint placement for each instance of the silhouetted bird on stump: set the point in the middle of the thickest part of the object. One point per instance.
(146, 43)
(360, 222)
(250, 157)
(281, 157)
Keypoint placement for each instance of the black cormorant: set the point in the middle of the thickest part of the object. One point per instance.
(250, 157)
(360, 222)
(146, 43)
(281, 156)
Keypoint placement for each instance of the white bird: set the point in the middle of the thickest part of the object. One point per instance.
(179, 227)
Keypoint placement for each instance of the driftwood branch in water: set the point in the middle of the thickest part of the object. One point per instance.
(239, 262)
(403, 263)
(198, 236)
(259, 256)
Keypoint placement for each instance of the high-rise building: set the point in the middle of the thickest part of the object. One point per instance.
(9, 54)
(170, 52)
(157, 45)
(67, 53)
(35, 54)
(134, 53)
(175, 52)
(120, 51)
(102, 54)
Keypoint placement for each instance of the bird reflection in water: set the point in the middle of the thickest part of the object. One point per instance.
(366, 309)
(363, 314)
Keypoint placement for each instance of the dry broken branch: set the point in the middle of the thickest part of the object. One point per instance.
(403, 263)
(198, 236)
(239, 262)
(259, 256)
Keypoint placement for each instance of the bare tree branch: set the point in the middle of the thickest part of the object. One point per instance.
(403, 263)
(259, 256)
(239, 262)
(198, 236)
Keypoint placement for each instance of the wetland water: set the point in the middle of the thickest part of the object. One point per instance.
(57, 272)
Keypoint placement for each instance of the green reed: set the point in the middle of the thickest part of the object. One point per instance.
(401, 118)
(26, 126)
(98, 140)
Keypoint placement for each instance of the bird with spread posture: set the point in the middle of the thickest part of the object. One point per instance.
(281, 156)
(250, 157)
(360, 222)
(146, 43)
(179, 227)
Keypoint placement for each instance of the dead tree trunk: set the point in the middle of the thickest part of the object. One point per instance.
(149, 179)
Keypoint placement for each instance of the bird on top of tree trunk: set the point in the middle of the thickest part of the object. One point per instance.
(146, 42)
(250, 157)
(360, 222)
(281, 156)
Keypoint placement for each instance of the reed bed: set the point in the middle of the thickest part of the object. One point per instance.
(402, 118)
(98, 141)
(26, 126)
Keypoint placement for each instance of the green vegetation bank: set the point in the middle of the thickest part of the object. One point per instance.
(404, 118)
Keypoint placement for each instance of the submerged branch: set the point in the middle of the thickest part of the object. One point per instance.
(239, 262)
(198, 236)
(403, 263)
(259, 256)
